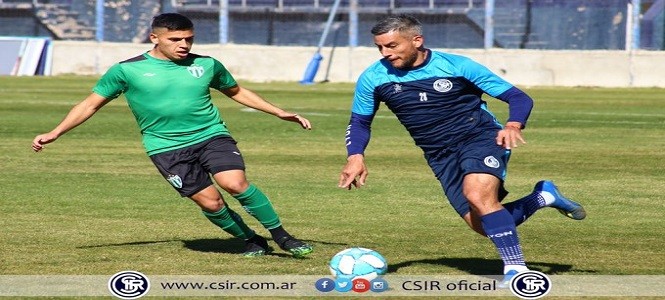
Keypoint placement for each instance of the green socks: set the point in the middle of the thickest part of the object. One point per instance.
(258, 205)
(230, 222)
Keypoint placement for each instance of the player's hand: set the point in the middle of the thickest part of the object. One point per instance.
(354, 172)
(510, 136)
(41, 140)
(297, 119)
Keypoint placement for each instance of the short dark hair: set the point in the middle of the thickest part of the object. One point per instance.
(172, 21)
(402, 23)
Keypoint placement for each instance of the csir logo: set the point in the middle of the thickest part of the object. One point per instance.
(530, 285)
(492, 162)
(442, 85)
(129, 285)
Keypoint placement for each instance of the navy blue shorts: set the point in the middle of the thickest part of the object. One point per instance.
(188, 169)
(478, 154)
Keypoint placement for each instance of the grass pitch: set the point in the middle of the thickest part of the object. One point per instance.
(93, 204)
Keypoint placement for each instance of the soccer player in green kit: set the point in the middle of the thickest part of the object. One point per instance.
(168, 91)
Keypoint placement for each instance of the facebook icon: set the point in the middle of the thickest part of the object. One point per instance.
(325, 285)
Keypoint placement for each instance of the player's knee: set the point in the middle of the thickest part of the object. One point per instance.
(235, 187)
(474, 197)
(212, 207)
(209, 202)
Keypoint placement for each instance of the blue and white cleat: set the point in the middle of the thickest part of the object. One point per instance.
(554, 199)
(505, 282)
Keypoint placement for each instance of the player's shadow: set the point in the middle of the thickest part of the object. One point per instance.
(235, 246)
(229, 246)
(138, 243)
(481, 266)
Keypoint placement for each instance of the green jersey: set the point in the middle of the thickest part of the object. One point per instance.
(170, 100)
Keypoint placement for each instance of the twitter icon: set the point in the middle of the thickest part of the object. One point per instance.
(343, 284)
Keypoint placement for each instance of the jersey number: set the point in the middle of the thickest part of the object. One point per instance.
(423, 96)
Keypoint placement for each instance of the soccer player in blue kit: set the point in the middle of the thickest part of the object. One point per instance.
(437, 97)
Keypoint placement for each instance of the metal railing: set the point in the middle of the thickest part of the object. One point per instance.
(316, 4)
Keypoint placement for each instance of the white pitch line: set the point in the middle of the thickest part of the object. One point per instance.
(248, 109)
(610, 114)
(58, 103)
(603, 122)
(39, 102)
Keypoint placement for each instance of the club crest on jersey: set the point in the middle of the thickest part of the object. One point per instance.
(397, 88)
(442, 85)
(195, 70)
(492, 162)
(175, 181)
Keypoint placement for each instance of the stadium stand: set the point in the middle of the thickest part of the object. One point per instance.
(518, 24)
(59, 17)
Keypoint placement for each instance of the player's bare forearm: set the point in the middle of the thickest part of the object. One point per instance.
(253, 100)
(76, 116)
(250, 99)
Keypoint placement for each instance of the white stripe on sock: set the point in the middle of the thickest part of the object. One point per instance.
(548, 197)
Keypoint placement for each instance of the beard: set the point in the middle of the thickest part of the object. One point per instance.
(407, 62)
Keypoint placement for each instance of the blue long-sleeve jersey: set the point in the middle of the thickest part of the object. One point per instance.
(438, 102)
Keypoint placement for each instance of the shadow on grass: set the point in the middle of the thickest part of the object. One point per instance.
(480, 266)
(128, 244)
(234, 246)
(229, 246)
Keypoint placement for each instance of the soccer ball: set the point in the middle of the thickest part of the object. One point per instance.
(356, 262)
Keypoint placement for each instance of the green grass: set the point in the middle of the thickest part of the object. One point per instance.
(92, 203)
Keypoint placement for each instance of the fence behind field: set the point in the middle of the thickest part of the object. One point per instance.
(514, 24)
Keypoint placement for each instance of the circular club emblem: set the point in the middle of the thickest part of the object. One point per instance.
(442, 85)
(129, 285)
(530, 285)
(492, 162)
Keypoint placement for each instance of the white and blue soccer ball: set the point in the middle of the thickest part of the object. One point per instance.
(357, 262)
